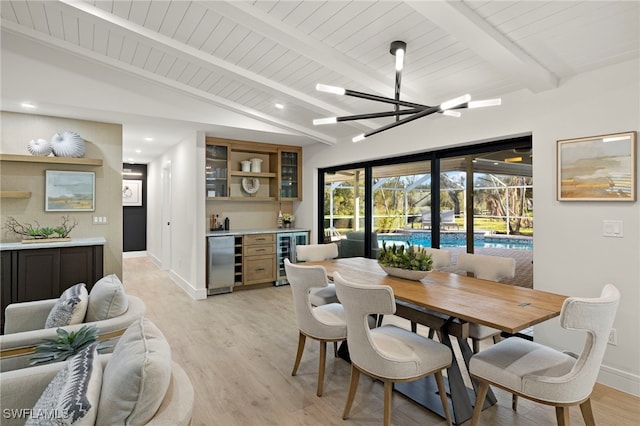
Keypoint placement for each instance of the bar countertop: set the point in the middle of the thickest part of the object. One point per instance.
(254, 231)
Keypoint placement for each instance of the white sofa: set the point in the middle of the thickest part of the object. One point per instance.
(25, 322)
(137, 384)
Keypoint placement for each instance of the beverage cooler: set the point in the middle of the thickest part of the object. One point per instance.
(286, 248)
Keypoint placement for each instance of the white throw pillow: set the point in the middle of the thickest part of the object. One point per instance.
(70, 308)
(72, 396)
(137, 376)
(107, 299)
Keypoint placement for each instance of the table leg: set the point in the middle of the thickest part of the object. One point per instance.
(466, 355)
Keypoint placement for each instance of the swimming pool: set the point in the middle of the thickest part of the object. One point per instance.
(458, 239)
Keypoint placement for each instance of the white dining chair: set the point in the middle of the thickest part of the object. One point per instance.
(388, 353)
(315, 253)
(325, 323)
(493, 268)
(546, 375)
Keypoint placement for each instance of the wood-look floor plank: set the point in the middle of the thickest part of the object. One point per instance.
(238, 349)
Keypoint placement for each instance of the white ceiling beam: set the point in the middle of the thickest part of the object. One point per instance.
(299, 42)
(20, 30)
(191, 54)
(487, 42)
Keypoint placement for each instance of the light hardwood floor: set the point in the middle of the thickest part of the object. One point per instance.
(238, 349)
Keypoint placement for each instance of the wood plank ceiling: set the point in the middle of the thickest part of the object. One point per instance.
(247, 56)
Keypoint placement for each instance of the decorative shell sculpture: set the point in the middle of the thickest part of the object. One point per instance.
(39, 147)
(67, 144)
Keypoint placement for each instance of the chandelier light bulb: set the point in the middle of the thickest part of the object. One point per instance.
(455, 102)
(485, 103)
(330, 89)
(450, 113)
(328, 120)
(399, 59)
(358, 138)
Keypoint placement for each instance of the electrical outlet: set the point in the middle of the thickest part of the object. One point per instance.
(613, 337)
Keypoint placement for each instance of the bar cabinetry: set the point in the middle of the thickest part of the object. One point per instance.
(259, 258)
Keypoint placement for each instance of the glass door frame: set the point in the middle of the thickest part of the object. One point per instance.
(433, 156)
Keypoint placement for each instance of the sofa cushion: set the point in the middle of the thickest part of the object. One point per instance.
(107, 299)
(70, 308)
(137, 376)
(72, 396)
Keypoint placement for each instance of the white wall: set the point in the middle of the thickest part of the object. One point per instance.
(570, 255)
(188, 249)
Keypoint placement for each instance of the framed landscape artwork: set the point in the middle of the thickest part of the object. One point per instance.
(597, 168)
(131, 192)
(69, 191)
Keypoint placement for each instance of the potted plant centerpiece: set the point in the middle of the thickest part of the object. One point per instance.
(411, 262)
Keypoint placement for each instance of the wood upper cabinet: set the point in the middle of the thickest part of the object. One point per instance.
(275, 172)
(290, 174)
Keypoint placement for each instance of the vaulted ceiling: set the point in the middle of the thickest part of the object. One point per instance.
(163, 68)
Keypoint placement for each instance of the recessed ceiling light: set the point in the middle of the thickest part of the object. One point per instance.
(27, 105)
(138, 151)
(279, 106)
(148, 139)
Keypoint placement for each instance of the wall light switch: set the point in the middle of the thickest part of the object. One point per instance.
(612, 228)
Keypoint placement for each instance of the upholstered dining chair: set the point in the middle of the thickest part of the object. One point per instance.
(325, 323)
(388, 353)
(493, 268)
(315, 253)
(546, 375)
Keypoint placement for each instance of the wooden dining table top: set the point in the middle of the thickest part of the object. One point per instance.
(503, 306)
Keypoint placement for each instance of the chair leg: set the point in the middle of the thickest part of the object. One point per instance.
(414, 327)
(388, 392)
(432, 332)
(323, 360)
(476, 345)
(301, 339)
(443, 396)
(481, 395)
(335, 349)
(514, 402)
(562, 415)
(353, 387)
(587, 413)
(380, 318)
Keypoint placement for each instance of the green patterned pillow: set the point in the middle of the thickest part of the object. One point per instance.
(72, 396)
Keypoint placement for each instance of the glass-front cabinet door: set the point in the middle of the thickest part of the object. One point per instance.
(290, 174)
(216, 172)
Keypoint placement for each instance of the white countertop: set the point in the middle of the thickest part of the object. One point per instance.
(254, 231)
(74, 242)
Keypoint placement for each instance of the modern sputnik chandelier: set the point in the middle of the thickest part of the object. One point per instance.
(413, 110)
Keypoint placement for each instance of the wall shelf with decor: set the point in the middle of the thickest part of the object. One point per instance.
(51, 160)
(252, 171)
(15, 194)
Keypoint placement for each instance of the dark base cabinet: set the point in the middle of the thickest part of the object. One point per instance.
(37, 274)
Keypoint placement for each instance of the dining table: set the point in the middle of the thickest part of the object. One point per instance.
(447, 302)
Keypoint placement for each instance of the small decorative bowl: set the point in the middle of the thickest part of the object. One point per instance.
(405, 273)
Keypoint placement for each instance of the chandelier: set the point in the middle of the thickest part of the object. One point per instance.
(401, 108)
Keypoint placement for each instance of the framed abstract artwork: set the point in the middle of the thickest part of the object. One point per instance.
(597, 168)
(131, 192)
(69, 191)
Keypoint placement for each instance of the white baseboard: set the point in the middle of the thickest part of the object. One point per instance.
(618, 379)
(130, 254)
(155, 260)
(195, 293)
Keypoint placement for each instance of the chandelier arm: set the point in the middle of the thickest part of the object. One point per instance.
(415, 116)
(379, 114)
(371, 97)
